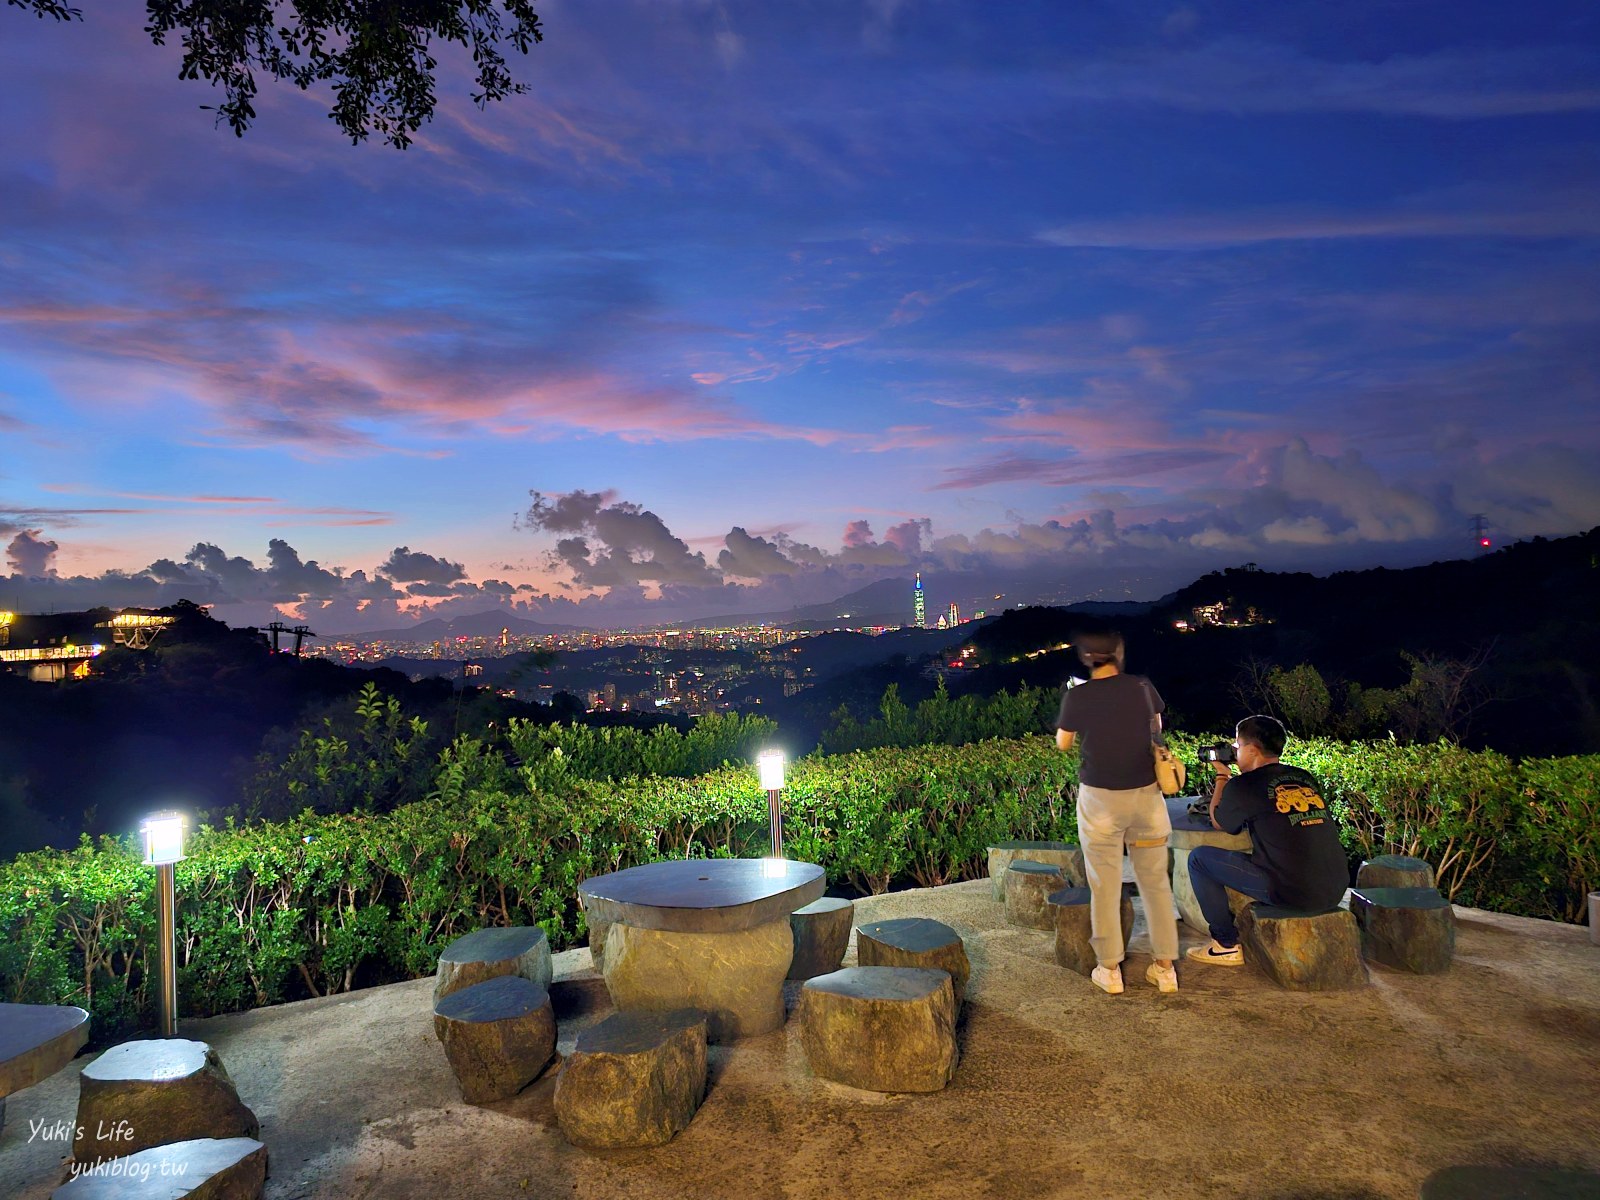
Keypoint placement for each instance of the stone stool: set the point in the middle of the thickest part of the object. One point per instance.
(1408, 928)
(1303, 951)
(821, 936)
(635, 1079)
(1028, 888)
(883, 1029)
(1069, 909)
(915, 942)
(1395, 871)
(508, 950)
(201, 1169)
(499, 1036)
(143, 1094)
(1058, 854)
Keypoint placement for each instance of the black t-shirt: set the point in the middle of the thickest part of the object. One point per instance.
(1111, 717)
(1296, 838)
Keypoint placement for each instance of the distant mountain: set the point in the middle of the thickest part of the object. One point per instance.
(437, 629)
(887, 602)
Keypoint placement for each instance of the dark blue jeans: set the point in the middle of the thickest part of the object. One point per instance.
(1211, 869)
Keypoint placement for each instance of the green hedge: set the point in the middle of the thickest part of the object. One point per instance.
(323, 904)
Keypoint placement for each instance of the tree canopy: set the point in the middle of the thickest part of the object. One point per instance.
(376, 54)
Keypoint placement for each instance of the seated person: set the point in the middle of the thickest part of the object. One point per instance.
(1298, 860)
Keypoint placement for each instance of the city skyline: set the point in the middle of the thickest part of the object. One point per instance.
(743, 309)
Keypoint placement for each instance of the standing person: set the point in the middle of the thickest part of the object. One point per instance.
(1298, 860)
(1119, 804)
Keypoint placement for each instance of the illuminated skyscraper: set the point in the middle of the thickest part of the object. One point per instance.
(954, 614)
(919, 613)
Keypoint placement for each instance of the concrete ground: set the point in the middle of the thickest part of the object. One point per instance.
(1231, 1088)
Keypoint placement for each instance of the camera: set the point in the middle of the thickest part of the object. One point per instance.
(1222, 752)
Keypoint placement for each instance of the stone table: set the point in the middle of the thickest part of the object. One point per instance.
(36, 1041)
(707, 933)
(1187, 833)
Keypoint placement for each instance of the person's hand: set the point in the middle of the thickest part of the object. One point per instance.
(1222, 770)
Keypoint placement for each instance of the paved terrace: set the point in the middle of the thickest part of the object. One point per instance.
(1232, 1088)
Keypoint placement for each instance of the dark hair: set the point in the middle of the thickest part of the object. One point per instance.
(1099, 648)
(1266, 734)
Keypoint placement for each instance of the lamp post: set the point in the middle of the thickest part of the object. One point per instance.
(770, 764)
(163, 846)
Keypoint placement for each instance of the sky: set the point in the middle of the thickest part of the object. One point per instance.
(747, 305)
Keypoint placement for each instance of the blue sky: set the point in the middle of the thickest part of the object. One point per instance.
(768, 301)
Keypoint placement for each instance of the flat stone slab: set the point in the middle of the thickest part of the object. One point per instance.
(735, 978)
(1303, 951)
(1408, 928)
(1028, 885)
(1509, 1183)
(508, 950)
(882, 1029)
(915, 942)
(703, 895)
(1069, 909)
(36, 1041)
(1395, 871)
(1059, 854)
(821, 936)
(635, 1079)
(499, 1036)
(143, 1094)
(198, 1169)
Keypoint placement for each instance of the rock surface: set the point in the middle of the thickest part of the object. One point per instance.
(1305, 952)
(635, 1079)
(1069, 908)
(1395, 871)
(499, 1036)
(1058, 854)
(143, 1094)
(915, 942)
(199, 1169)
(1408, 928)
(821, 936)
(883, 1029)
(1027, 893)
(735, 978)
(488, 953)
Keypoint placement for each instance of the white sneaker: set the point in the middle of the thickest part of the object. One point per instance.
(1107, 979)
(1215, 952)
(1165, 978)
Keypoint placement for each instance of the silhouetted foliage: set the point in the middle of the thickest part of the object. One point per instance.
(377, 57)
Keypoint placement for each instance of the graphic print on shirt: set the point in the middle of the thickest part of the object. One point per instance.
(1299, 802)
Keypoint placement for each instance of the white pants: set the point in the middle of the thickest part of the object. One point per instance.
(1109, 819)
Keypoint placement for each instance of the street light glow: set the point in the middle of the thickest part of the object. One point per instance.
(770, 764)
(163, 839)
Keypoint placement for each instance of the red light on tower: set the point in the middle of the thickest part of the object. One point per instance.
(1484, 542)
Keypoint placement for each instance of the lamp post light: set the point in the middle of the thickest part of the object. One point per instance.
(163, 846)
(770, 764)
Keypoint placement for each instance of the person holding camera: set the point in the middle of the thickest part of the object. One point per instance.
(1298, 860)
(1119, 805)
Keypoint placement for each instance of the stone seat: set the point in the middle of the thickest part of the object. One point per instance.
(1027, 895)
(821, 936)
(915, 942)
(1058, 854)
(882, 1029)
(1069, 908)
(143, 1094)
(635, 1079)
(1303, 950)
(499, 1036)
(1408, 928)
(506, 950)
(1395, 871)
(198, 1169)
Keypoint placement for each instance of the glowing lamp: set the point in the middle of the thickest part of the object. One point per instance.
(163, 839)
(770, 764)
